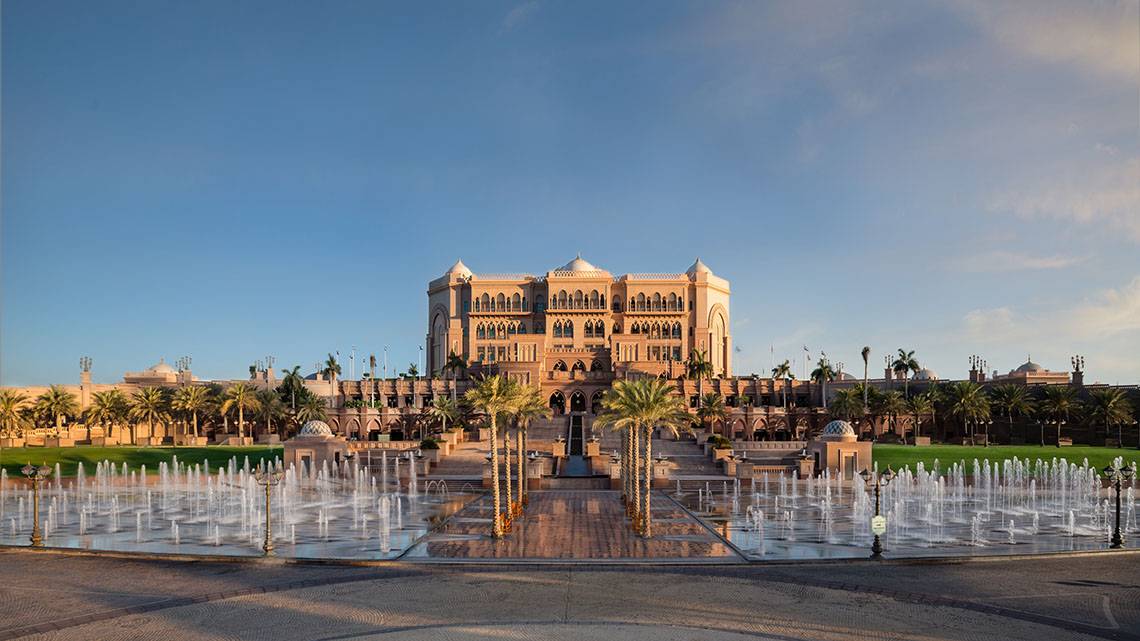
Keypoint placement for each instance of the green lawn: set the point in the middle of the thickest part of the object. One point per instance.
(899, 456)
(12, 459)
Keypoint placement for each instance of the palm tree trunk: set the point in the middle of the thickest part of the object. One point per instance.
(496, 524)
(645, 519)
(195, 424)
(627, 471)
(507, 469)
(636, 462)
(241, 423)
(522, 477)
(526, 469)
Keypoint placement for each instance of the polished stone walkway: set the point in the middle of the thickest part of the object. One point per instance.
(580, 525)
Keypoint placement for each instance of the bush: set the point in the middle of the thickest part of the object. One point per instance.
(429, 444)
(720, 442)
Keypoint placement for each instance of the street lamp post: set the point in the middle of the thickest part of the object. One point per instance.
(268, 477)
(876, 481)
(1115, 476)
(37, 475)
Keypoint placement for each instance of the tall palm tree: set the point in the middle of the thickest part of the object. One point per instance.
(1110, 406)
(783, 372)
(528, 406)
(107, 408)
(711, 410)
(903, 365)
(150, 404)
(644, 404)
(57, 403)
(332, 368)
(918, 405)
(823, 373)
(1011, 400)
(847, 404)
(240, 396)
(444, 410)
(967, 401)
(292, 386)
(890, 404)
(699, 367)
(455, 364)
(12, 420)
(866, 357)
(270, 408)
(493, 395)
(1060, 403)
(312, 408)
(189, 400)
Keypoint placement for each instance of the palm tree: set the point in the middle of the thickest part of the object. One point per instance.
(866, 356)
(711, 410)
(107, 408)
(903, 365)
(528, 406)
(699, 367)
(644, 404)
(12, 420)
(312, 408)
(190, 400)
(270, 407)
(455, 364)
(292, 386)
(1010, 400)
(57, 403)
(918, 405)
(444, 409)
(822, 374)
(150, 404)
(1110, 406)
(847, 404)
(783, 372)
(332, 368)
(1060, 403)
(242, 396)
(967, 401)
(890, 404)
(493, 395)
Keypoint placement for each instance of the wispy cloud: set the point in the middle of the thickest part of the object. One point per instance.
(519, 15)
(1005, 261)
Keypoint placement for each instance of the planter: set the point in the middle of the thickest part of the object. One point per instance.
(193, 441)
(103, 441)
(12, 442)
(921, 441)
(57, 441)
(432, 456)
(484, 433)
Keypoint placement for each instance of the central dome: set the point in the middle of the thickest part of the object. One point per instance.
(578, 265)
(315, 429)
(838, 431)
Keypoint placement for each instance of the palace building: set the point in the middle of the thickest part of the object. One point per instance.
(577, 324)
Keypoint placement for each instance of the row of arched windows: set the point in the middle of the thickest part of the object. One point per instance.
(657, 330)
(500, 330)
(501, 303)
(578, 300)
(656, 303)
(563, 329)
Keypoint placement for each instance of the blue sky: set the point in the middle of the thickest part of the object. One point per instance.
(232, 180)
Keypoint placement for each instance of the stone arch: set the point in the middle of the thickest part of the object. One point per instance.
(557, 403)
(353, 426)
(737, 429)
(577, 401)
(437, 343)
(596, 365)
(596, 400)
(718, 339)
(559, 366)
(578, 366)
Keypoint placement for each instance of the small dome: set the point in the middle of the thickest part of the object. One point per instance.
(458, 268)
(698, 268)
(1030, 366)
(926, 374)
(160, 368)
(578, 265)
(315, 429)
(844, 376)
(838, 431)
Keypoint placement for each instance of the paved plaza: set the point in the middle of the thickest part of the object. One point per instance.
(65, 596)
(582, 525)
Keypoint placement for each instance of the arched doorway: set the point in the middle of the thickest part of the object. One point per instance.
(557, 403)
(578, 402)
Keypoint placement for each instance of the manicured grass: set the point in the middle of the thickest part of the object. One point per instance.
(12, 459)
(899, 456)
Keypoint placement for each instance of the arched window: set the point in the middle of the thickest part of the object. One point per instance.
(524, 307)
(560, 366)
(578, 402)
(568, 329)
(562, 299)
(490, 331)
(641, 302)
(602, 301)
(599, 329)
(557, 401)
(672, 302)
(632, 304)
(594, 299)
(501, 302)
(578, 299)
(502, 330)
(481, 332)
(588, 331)
(486, 302)
(512, 329)
(579, 366)
(616, 329)
(657, 302)
(516, 303)
(596, 399)
(676, 330)
(645, 328)
(636, 329)
(557, 329)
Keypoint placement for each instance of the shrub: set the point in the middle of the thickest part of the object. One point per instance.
(429, 444)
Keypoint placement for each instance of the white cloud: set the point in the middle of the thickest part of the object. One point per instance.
(1113, 312)
(1108, 195)
(519, 15)
(1003, 261)
(1098, 36)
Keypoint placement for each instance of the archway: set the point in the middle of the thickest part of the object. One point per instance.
(579, 366)
(557, 403)
(578, 402)
(560, 366)
(596, 402)
(596, 366)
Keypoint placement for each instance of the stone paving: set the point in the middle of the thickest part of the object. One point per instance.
(52, 596)
(580, 525)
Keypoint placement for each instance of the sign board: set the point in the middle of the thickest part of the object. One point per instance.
(879, 524)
